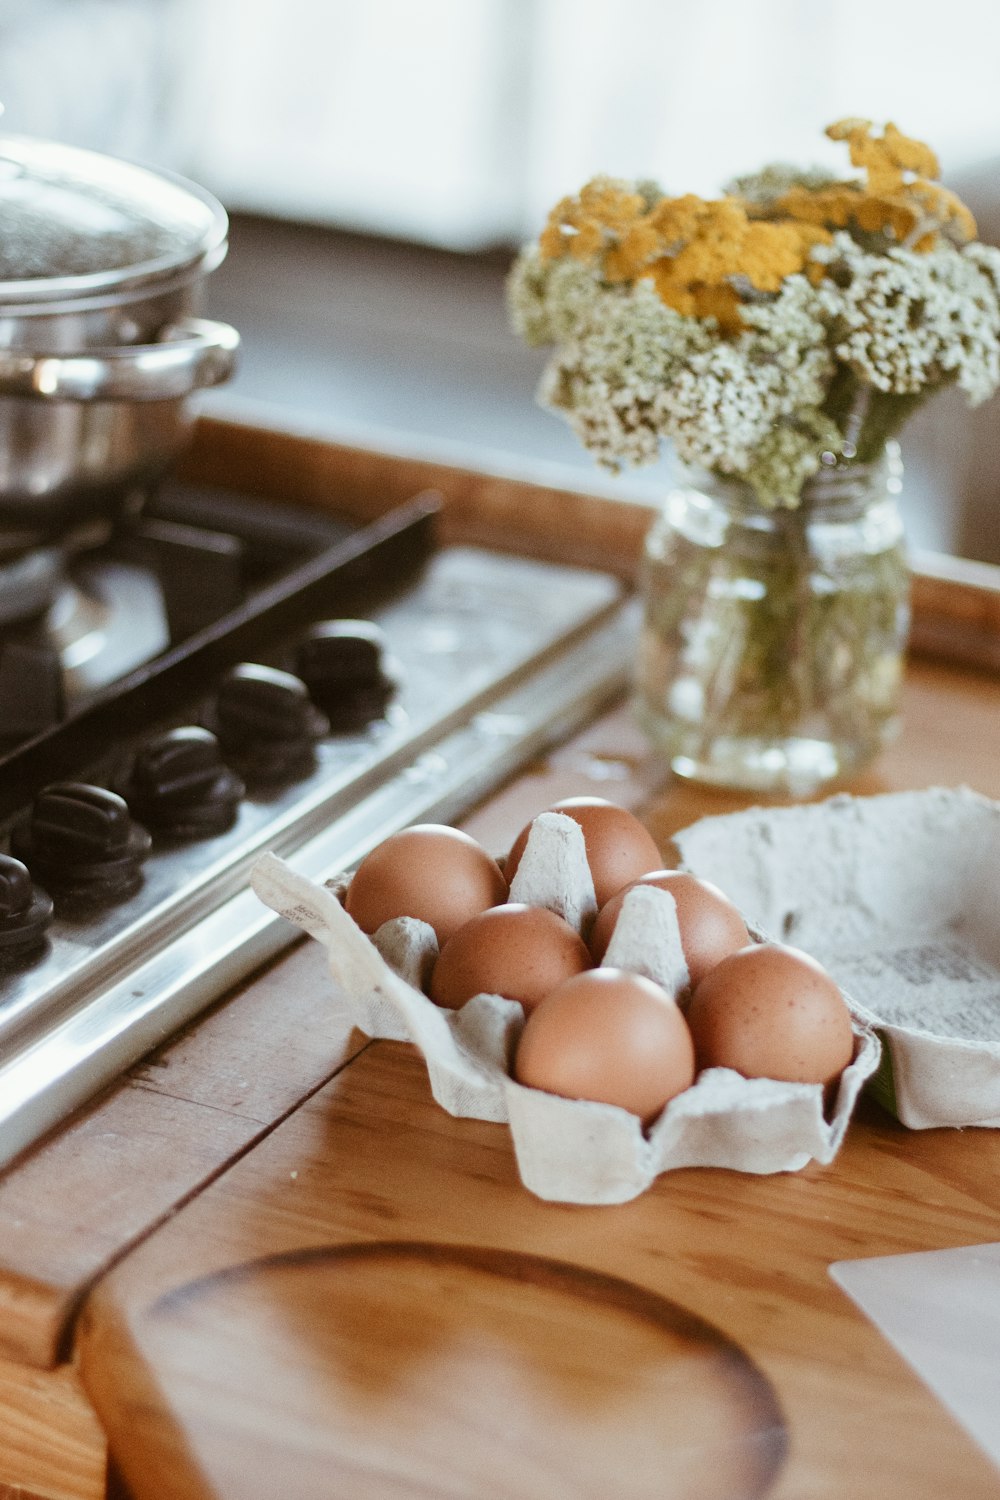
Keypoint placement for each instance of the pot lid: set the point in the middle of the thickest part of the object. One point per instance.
(77, 222)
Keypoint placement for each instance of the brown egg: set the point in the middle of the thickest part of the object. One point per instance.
(610, 1036)
(770, 1011)
(430, 871)
(521, 952)
(619, 848)
(710, 925)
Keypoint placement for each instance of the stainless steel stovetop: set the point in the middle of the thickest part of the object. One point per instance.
(495, 657)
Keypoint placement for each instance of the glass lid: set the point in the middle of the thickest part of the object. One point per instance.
(78, 221)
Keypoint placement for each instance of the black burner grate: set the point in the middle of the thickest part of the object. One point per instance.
(235, 574)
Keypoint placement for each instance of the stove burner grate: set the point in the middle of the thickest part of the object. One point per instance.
(484, 660)
(62, 695)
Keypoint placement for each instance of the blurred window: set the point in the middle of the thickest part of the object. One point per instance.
(96, 73)
(459, 122)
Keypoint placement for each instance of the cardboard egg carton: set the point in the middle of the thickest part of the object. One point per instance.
(896, 895)
(567, 1150)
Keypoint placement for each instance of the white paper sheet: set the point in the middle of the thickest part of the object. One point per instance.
(940, 1310)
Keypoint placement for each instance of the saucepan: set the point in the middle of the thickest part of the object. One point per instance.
(102, 269)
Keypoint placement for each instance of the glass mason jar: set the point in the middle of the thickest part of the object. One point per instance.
(772, 648)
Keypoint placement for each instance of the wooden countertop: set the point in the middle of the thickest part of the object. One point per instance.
(267, 1258)
(218, 1352)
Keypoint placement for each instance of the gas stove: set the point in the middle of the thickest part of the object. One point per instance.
(220, 675)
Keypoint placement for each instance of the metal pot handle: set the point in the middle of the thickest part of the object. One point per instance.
(186, 356)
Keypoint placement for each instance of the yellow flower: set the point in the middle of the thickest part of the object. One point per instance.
(887, 157)
(627, 260)
(942, 204)
(839, 206)
(612, 204)
(583, 226)
(695, 251)
(677, 220)
(901, 191)
(703, 255)
(722, 248)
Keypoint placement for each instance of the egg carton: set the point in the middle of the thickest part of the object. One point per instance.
(567, 1150)
(896, 895)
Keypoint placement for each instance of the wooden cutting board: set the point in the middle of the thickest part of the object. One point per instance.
(405, 1368)
(372, 1282)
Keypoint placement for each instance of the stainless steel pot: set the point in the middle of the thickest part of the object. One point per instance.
(102, 266)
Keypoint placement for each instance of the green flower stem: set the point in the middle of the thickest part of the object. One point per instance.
(883, 414)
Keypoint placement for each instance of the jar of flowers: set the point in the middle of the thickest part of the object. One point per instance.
(776, 338)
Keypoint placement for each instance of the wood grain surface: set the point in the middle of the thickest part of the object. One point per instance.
(269, 1128)
(423, 1369)
(538, 518)
(72, 1206)
(370, 1158)
(51, 1443)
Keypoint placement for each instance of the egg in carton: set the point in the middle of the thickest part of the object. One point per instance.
(895, 895)
(567, 1150)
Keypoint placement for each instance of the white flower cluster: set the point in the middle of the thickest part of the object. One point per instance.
(908, 320)
(729, 397)
(763, 405)
(550, 300)
(612, 375)
(628, 371)
(789, 456)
